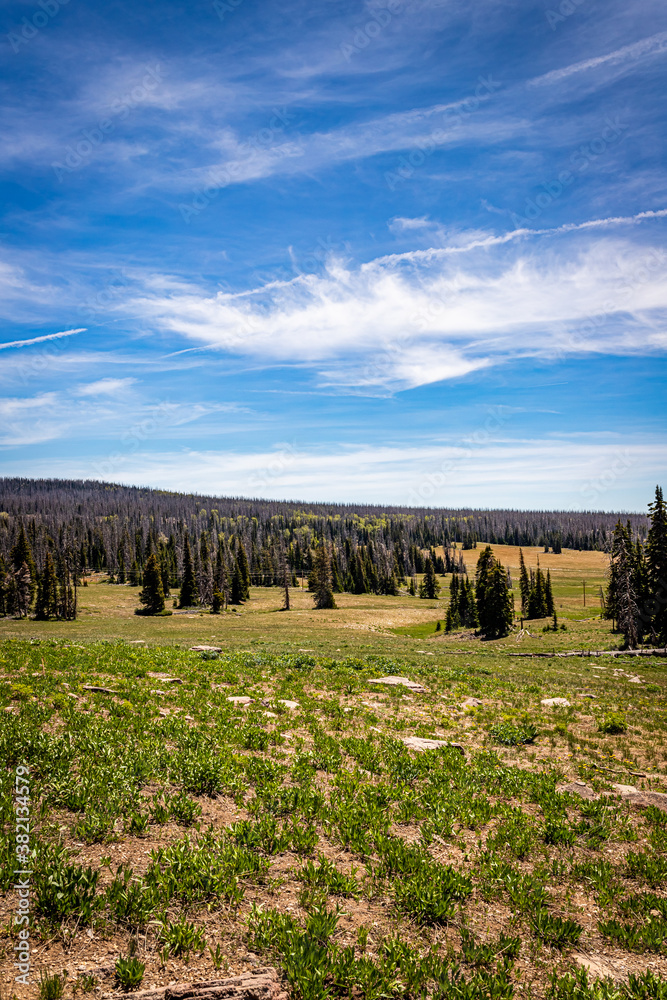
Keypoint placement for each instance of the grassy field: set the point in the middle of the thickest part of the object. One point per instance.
(175, 830)
(361, 623)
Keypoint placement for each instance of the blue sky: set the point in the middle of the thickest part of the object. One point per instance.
(404, 252)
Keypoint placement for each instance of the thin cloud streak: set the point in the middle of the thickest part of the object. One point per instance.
(40, 340)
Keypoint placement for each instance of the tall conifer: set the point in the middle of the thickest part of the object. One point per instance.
(47, 592)
(323, 594)
(524, 585)
(656, 559)
(152, 595)
(188, 595)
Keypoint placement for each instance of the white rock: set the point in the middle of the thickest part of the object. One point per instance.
(556, 702)
(421, 743)
(394, 681)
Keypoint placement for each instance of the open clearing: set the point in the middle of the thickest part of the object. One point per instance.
(294, 827)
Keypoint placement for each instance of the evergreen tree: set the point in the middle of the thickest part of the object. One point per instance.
(3, 587)
(67, 605)
(549, 597)
(152, 595)
(524, 585)
(358, 576)
(412, 589)
(624, 597)
(205, 584)
(188, 595)
(220, 575)
(336, 579)
(467, 606)
(134, 576)
(164, 575)
(47, 592)
(323, 594)
(22, 591)
(21, 555)
(244, 572)
(537, 601)
(429, 588)
(452, 619)
(656, 560)
(238, 590)
(495, 603)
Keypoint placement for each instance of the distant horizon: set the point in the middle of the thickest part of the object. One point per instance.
(323, 503)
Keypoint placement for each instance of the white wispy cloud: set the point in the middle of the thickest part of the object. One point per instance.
(40, 340)
(409, 319)
(628, 54)
(588, 474)
(106, 387)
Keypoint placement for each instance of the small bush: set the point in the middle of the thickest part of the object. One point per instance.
(510, 735)
(613, 724)
(555, 931)
(129, 971)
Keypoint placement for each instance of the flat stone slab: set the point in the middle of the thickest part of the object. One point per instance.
(579, 788)
(471, 703)
(98, 690)
(420, 743)
(258, 984)
(642, 800)
(556, 702)
(240, 699)
(394, 681)
(596, 965)
(287, 703)
(206, 649)
(165, 679)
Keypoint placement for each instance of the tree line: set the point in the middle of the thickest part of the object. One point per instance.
(211, 550)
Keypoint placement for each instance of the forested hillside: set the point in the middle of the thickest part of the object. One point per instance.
(105, 527)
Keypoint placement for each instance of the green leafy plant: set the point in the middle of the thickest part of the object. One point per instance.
(182, 938)
(555, 931)
(510, 734)
(129, 971)
(613, 723)
(52, 987)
